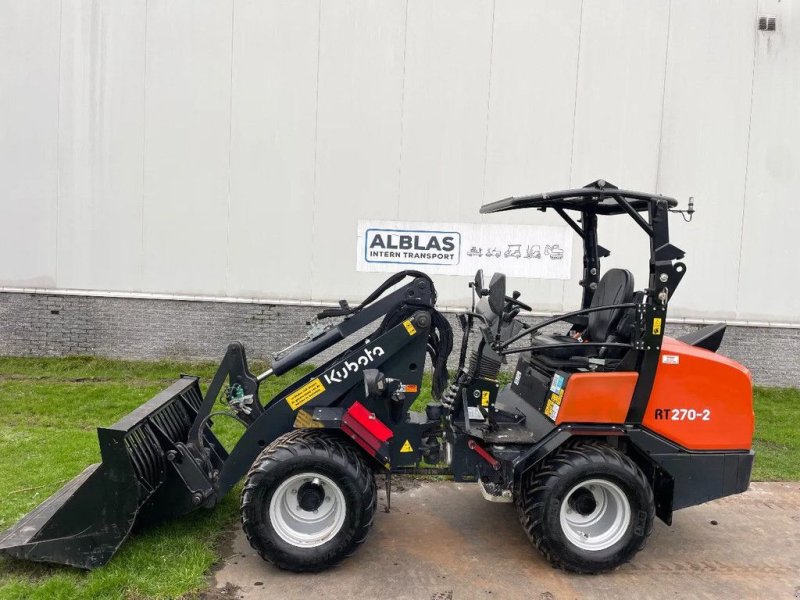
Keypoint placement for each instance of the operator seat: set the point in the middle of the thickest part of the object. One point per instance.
(615, 287)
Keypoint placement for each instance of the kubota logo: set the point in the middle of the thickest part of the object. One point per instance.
(340, 373)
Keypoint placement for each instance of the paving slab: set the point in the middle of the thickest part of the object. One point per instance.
(443, 541)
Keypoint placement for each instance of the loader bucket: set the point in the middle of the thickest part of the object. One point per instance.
(84, 523)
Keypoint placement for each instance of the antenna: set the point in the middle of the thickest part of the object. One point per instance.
(689, 212)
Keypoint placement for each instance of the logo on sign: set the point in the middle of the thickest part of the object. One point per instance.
(412, 247)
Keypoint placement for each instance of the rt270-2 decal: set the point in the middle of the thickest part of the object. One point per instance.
(682, 414)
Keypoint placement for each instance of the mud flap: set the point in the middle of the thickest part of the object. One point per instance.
(140, 480)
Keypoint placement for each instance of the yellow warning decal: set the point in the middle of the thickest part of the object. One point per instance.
(549, 408)
(485, 398)
(410, 329)
(304, 420)
(555, 398)
(305, 394)
(657, 326)
(407, 447)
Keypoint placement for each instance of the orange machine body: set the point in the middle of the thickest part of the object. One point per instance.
(701, 400)
(597, 397)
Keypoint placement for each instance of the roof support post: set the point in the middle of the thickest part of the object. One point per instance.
(591, 258)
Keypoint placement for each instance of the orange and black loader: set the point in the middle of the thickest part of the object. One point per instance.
(604, 425)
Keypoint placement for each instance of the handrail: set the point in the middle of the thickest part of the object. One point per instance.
(566, 345)
(558, 318)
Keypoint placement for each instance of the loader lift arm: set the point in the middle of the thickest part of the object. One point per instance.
(162, 460)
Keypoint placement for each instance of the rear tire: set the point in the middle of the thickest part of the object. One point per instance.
(308, 501)
(587, 509)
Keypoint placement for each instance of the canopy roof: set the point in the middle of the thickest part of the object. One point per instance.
(600, 196)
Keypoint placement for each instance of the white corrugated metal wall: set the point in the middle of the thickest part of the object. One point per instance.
(227, 148)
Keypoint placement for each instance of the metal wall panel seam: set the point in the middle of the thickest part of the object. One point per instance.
(663, 99)
(58, 137)
(488, 103)
(316, 141)
(746, 171)
(230, 153)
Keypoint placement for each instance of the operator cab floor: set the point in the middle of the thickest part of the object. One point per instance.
(511, 433)
(533, 428)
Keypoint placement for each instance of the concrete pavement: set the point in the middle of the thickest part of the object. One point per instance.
(442, 541)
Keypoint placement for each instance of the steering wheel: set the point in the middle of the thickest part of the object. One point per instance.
(514, 302)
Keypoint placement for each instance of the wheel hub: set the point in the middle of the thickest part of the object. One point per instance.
(310, 495)
(595, 514)
(307, 509)
(583, 502)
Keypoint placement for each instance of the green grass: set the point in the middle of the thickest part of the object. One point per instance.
(777, 436)
(49, 409)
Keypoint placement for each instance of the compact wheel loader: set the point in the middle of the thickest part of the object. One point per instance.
(601, 428)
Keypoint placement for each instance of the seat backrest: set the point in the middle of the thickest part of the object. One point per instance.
(615, 287)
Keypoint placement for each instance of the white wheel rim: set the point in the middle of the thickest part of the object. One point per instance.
(595, 514)
(302, 527)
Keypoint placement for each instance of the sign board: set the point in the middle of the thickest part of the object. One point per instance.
(536, 251)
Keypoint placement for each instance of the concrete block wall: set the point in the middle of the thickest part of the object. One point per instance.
(130, 328)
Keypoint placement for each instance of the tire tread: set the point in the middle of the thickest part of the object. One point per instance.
(308, 442)
(531, 503)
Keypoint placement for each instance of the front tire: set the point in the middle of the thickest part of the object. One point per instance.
(308, 501)
(588, 508)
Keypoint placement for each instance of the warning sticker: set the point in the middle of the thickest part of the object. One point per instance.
(485, 398)
(304, 420)
(517, 377)
(474, 413)
(410, 388)
(305, 394)
(551, 410)
(548, 409)
(407, 447)
(557, 383)
(409, 328)
(657, 326)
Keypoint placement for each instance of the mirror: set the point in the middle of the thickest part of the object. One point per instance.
(478, 284)
(497, 293)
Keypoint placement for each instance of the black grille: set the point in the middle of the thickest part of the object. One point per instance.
(485, 368)
(173, 420)
(146, 456)
(192, 397)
